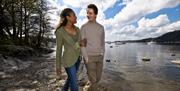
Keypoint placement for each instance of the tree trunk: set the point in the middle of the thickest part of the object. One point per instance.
(25, 24)
(21, 21)
(13, 21)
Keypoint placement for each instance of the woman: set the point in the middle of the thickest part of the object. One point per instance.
(68, 35)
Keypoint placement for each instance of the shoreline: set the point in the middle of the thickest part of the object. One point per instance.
(37, 73)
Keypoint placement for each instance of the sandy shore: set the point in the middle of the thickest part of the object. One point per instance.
(38, 74)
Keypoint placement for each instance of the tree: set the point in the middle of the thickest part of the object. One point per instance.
(25, 22)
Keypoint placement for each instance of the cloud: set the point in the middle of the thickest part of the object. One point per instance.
(125, 2)
(146, 28)
(139, 8)
(121, 26)
(156, 26)
(101, 4)
(170, 27)
(82, 4)
(156, 22)
(54, 12)
(135, 10)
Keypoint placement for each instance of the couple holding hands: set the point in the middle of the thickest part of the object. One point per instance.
(73, 43)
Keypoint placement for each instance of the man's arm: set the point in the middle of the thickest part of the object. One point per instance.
(103, 42)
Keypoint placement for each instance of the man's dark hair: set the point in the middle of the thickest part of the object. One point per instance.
(94, 7)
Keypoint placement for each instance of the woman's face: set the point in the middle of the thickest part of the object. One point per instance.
(91, 15)
(72, 18)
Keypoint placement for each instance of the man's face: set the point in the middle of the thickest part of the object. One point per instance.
(91, 15)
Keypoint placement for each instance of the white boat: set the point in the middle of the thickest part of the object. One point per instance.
(119, 43)
(151, 42)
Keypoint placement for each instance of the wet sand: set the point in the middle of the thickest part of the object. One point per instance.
(38, 74)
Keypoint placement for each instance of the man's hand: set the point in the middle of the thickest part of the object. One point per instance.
(83, 42)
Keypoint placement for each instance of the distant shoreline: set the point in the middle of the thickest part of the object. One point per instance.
(161, 43)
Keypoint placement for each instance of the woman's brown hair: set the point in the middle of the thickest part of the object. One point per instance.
(63, 20)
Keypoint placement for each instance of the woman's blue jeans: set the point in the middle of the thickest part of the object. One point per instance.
(72, 77)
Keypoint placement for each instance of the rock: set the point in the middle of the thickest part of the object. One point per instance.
(45, 50)
(108, 60)
(146, 59)
(35, 82)
(22, 89)
(11, 64)
(6, 76)
(52, 81)
(111, 46)
(173, 54)
(3, 75)
(17, 51)
(14, 68)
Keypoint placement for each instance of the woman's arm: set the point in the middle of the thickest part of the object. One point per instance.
(59, 44)
(83, 48)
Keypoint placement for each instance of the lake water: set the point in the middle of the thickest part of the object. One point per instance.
(158, 74)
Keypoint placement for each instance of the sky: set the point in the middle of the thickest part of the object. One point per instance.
(125, 19)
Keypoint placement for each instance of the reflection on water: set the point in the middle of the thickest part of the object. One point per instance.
(158, 74)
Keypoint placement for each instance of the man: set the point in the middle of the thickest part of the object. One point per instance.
(93, 53)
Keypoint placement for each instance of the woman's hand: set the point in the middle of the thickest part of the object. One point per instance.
(86, 60)
(83, 42)
(58, 72)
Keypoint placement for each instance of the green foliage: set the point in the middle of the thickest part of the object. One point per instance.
(24, 22)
